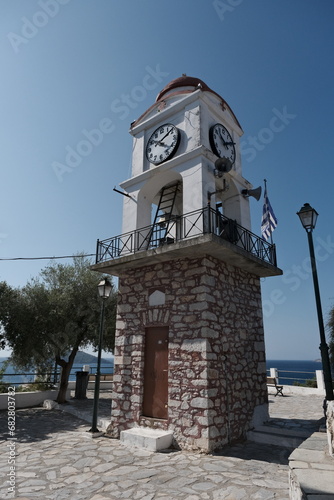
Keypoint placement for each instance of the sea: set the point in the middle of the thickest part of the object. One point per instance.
(289, 371)
(12, 377)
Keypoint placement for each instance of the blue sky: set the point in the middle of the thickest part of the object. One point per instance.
(72, 66)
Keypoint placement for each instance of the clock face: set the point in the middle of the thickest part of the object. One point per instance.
(162, 144)
(221, 142)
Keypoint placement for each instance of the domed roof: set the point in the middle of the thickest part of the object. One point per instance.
(182, 85)
(184, 81)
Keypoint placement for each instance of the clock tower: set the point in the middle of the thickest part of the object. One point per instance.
(189, 347)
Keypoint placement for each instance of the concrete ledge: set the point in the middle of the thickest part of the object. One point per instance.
(104, 385)
(311, 470)
(149, 439)
(297, 390)
(30, 399)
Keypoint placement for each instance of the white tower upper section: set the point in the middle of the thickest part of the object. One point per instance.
(174, 141)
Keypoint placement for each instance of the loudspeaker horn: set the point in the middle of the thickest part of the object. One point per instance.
(255, 193)
(223, 165)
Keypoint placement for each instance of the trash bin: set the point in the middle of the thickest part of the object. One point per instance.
(81, 385)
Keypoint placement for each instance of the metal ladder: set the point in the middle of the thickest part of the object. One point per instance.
(163, 219)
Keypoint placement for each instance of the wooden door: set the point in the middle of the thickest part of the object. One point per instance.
(156, 373)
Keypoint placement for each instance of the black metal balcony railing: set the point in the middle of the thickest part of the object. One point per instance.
(177, 228)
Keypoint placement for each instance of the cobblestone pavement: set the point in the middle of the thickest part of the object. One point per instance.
(56, 458)
(296, 412)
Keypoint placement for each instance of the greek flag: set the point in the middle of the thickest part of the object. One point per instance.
(269, 221)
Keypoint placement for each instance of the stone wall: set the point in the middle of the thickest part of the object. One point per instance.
(217, 372)
(330, 426)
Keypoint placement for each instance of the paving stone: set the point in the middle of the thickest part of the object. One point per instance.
(56, 462)
(320, 497)
(324, 466)
(103, 467)
(231, 493)
(305, 455)
(315, 442)
(316, 482)
(269, 483)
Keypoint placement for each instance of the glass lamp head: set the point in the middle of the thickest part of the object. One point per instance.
(308, 217)
(104, 288)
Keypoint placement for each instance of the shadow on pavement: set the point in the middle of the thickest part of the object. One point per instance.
(37, 424)
(298, 424)
(257, 451)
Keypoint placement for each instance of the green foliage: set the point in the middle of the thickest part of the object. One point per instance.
(38, 385)
(3, 385)
(53, 315)
(42, 381)
(42, 386)
(24, 388)
(312, 382)
(3, 369)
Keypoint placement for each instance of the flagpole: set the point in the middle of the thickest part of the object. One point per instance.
(266, 195)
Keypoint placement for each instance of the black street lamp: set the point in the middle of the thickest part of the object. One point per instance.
(308, 217)
(104, 288)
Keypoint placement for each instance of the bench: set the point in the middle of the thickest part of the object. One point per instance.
(103, 377)
(271, 382)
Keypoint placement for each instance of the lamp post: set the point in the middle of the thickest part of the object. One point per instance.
(104, 289)
(308, 217)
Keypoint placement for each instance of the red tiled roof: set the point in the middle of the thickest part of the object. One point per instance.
(184, 81)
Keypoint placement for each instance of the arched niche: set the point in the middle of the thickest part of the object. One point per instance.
(149, 195)
(228, 200)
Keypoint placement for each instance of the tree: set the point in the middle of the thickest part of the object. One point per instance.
(331, 336)
(53, 316)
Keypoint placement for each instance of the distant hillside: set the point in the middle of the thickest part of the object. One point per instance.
(82, 358)
(88, 359)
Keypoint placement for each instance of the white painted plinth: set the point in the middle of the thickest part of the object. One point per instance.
(149, 439)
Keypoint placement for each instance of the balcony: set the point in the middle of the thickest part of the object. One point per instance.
(203, 231)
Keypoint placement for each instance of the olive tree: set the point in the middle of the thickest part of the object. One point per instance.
(54, 315)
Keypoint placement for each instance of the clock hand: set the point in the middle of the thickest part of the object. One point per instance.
(162, 138)
(229, 143)
(222, 138)
(159, 143)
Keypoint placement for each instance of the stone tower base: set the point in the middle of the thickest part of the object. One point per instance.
(216, 353)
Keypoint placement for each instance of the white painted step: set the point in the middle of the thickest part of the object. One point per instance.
(146, 438)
